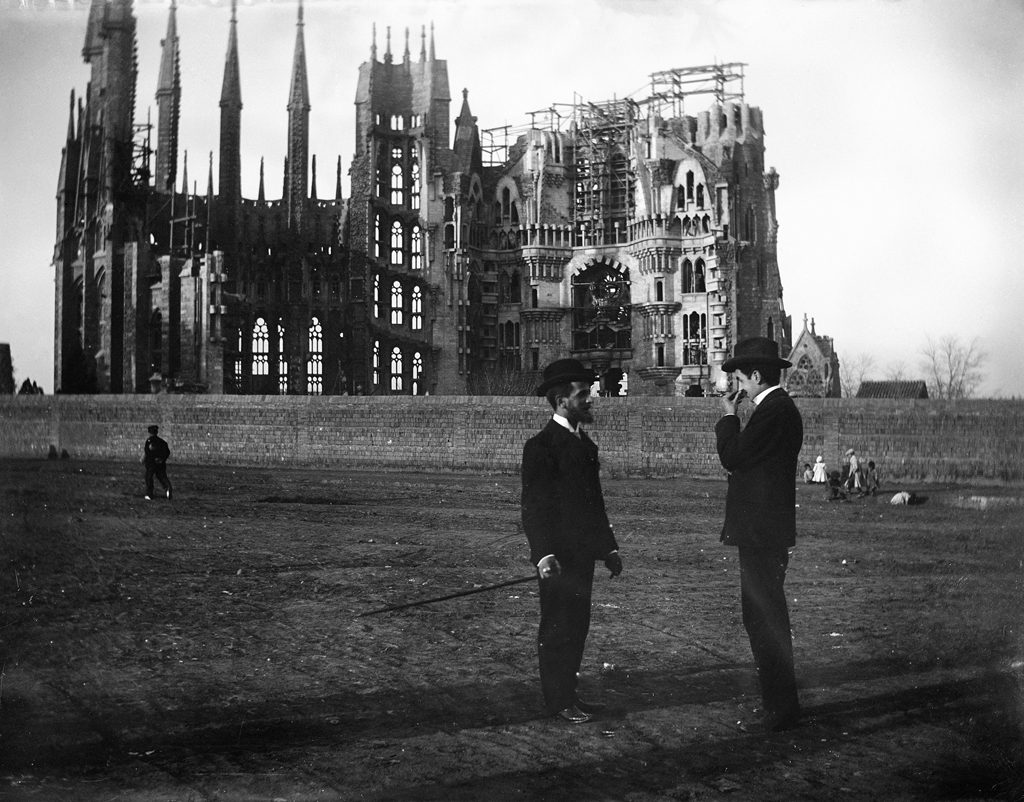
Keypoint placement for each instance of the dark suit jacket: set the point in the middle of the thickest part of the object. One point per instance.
(562, 504)
(156, 451)
(760, 506)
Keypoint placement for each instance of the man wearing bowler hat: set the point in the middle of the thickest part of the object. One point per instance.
(760, 514)
(567, 527)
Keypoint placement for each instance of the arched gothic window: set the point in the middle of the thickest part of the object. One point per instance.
(417, 308)
(414, 192)
(260, 348)
(397, 177)
(378, 234)
(376, 295)
(282, 361)
(687, 276)
(376, 362)
(396, 304)
(315, 363)
(238, 362)
(417, 373)
(397, 243)
(416, 235)
(396, 369)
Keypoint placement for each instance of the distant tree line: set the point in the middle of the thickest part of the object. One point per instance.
(951, 368)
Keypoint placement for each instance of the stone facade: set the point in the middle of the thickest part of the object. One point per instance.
(630, 234)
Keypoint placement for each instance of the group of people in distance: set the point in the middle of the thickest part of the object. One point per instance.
(855, 477)
(566, 524)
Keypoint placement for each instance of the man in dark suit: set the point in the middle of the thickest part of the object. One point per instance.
(567, 527)
(760, 514)
(155, 454)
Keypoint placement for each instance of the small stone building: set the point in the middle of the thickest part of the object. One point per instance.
(815, 371)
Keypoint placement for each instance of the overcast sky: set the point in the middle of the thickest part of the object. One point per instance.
(897, 128)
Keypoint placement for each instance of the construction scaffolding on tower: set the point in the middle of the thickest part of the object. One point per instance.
(603, 194)
(601, 141)
(670, 88)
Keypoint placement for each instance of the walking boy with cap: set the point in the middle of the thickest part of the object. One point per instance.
(567, 527)
(760, 514)
(155, 455)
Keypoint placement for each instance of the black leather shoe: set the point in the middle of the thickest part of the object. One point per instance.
(589, 707)
(573, 715)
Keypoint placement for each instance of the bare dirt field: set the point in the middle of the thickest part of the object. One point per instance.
(211, 648)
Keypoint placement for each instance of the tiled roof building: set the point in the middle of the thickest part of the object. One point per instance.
(893, 389)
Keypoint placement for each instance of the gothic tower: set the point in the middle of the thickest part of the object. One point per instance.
(409, 277)
(100, 216)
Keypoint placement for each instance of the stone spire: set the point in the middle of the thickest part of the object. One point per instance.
(230, 167)
(297, 168)
(168, 101)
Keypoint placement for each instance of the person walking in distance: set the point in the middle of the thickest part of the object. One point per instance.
(567, 527)
(760, 515)
(156, 452)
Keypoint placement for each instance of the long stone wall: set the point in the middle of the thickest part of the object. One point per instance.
(965, 441)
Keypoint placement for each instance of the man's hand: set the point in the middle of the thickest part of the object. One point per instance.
(548, 567)
(613, 562)
(731, 401)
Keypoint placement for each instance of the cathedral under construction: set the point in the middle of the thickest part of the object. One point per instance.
(626, 233)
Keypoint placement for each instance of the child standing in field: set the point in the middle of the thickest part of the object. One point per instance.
(872, 483)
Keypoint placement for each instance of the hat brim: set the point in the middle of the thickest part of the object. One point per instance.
(754, 361)
(565, 378)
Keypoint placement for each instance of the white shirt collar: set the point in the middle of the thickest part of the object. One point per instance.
(564, 423)
(761, 395)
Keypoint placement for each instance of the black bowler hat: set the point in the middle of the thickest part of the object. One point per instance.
(755, 351)
(562, 371)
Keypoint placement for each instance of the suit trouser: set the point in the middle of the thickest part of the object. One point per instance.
(766, 619)
(564, 624)
(160, 472)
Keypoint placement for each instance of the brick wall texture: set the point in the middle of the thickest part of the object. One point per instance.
(935, 441)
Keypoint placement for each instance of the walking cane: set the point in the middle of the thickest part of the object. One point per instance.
(505, 584)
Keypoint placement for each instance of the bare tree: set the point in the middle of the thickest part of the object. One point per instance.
(954, 369)
(501, 381)
(896, 372)
(853, 371)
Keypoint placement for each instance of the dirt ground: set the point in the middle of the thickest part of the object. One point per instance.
(211, 647)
